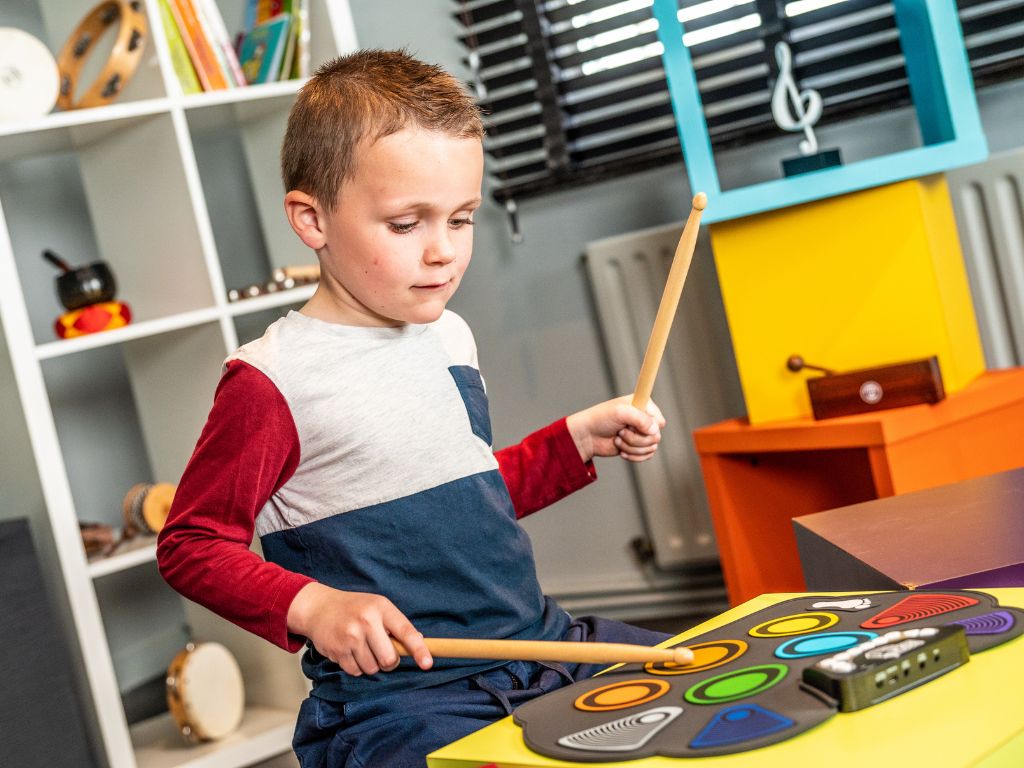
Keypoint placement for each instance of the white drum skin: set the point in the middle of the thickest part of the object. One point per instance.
(29, 81)
(205, 692)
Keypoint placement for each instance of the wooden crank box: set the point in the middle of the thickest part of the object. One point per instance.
(875, 389)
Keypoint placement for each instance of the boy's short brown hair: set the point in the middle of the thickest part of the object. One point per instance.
(365, 96)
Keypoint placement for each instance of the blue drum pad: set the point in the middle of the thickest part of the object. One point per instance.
(746, 687)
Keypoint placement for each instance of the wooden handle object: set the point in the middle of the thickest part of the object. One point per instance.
(541, 650)
(669, 302)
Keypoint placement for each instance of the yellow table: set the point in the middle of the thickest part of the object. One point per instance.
(972, 716)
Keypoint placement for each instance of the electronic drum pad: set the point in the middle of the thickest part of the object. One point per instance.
(769, 676)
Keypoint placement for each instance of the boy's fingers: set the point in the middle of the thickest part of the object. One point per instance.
(348, 664)
(632, 437)
(405, 633)
(365, 659)
(384, 651)
(636, 450)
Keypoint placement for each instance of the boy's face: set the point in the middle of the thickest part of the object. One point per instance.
(401, 236)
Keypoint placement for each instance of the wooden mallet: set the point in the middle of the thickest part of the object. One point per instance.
(554, 650)
(669, 302)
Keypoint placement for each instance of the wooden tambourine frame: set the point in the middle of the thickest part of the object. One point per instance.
(124, 56)
(207, 703)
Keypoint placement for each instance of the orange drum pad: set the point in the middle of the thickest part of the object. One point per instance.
(705, 656)
(625, 693)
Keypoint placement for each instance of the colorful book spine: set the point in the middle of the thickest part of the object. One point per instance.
(179, 53)
(300, 22)
(213, 22)
(263, 49)
(204, 59)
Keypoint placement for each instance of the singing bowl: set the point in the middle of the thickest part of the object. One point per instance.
(86, 285)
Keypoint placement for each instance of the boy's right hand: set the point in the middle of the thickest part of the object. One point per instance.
(354, 629)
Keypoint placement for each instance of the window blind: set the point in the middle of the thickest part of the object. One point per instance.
(574, 90)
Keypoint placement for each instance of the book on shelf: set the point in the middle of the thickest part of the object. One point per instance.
(217, 33)
(300, 25)
(267, 9)
(264, 49)
(180, 59)
(296, 63)
(199, 47)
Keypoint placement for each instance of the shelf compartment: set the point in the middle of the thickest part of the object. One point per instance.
(265, 732)
(237, 145)
(121, 197)
(54, 21)
(100, 438)
(145, 624)
(173, 381)
(132, 331)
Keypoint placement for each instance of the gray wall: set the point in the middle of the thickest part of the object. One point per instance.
(532, 314)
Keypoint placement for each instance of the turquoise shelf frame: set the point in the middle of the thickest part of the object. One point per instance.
(940, 85)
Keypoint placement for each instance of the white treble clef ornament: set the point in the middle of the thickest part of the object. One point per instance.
(806, 104)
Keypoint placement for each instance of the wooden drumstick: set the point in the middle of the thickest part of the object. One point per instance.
(544, 650)
(669, 302)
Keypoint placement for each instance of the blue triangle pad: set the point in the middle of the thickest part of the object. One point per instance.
(742, 722)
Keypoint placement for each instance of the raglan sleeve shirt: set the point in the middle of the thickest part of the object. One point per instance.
(248, 450)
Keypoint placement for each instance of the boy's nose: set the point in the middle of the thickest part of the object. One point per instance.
(441, 249)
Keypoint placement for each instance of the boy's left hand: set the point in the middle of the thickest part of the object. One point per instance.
(615, 427)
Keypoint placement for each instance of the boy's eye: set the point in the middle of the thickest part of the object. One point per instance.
(402, 228)
(456, 223)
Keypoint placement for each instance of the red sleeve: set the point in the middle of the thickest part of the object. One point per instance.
(543, 468)
(246, 452)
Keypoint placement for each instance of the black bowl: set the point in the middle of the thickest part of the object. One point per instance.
(86, 285)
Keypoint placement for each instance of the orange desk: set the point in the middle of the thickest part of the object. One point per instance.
(759, 478)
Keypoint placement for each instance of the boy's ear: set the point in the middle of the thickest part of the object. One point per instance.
(306, 218)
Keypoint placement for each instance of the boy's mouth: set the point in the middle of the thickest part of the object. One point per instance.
(433, 286)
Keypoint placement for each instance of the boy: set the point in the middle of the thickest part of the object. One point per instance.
(354, 439)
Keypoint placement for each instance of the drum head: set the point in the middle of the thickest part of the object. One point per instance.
(29, 81)
(212, 691)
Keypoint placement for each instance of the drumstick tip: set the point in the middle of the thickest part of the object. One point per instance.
(682, 656)
(700, 201)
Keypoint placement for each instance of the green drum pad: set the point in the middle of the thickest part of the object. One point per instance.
(744, 689)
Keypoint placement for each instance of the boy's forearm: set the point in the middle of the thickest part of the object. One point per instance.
(232, 581)
(544, 467)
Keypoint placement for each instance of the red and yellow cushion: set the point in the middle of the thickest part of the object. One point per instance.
(103, 316)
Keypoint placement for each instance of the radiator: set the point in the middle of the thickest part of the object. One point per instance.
(697, 383)
(988, 200)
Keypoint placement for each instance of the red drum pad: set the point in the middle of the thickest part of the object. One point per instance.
(745, 687)
(920, 606)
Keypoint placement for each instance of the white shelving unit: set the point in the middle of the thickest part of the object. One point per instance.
(181, 196)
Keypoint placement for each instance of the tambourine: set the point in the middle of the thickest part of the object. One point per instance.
(121, 64)
(205, 692)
